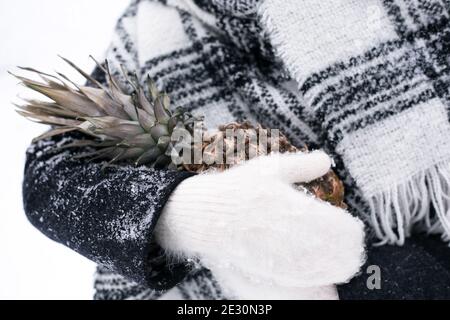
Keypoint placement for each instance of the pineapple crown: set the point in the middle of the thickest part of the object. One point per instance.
(136, 126)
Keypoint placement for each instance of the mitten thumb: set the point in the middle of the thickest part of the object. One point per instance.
(294, 167)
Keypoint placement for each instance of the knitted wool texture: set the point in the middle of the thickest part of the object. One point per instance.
(259, 243)
(375, 78)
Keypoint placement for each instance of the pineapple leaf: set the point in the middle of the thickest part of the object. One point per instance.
(149, 156)
(51, 120)
(163, 142)
(120, 125)
(152, 89)
(161, 112)
(103, 100)
(158, 131)
(53, 132)
(84, 74)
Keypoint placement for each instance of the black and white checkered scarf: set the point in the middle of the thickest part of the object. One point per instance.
(368, 81)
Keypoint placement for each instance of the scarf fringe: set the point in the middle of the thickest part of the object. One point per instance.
(407, 206)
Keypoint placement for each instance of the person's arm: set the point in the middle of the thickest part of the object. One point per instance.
(106, 215)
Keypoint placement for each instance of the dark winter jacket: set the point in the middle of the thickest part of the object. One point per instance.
(108, 216)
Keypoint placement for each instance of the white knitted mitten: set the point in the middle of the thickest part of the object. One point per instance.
(251, 220)
(238, 287)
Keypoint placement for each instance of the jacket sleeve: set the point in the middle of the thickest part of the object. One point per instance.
(106, 215)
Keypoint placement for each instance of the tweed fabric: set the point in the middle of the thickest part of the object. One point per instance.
(106, 215)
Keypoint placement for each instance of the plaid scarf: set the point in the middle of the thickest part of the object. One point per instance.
(365, 80)
(375, 77)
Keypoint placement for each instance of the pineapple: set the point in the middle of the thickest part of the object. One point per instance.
(329, 187)
(140, 127)
(132, 127)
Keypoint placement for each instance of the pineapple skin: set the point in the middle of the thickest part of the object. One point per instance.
(328, 188)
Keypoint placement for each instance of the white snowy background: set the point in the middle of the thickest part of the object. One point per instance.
(33, 33)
